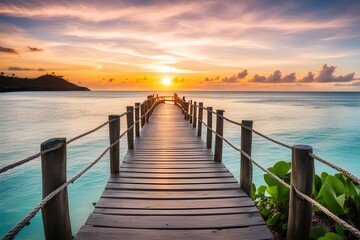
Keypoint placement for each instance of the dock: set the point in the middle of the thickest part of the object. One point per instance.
(169, 187)
(172, 184)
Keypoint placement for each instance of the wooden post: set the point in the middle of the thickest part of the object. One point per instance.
(147, 115)
(114, 133)
(175, 98)
(130, 122)
(183, 105)
(200, 119)
(302, 178)
(191, 111)
(218, 140)
(209, 132)
(55, 214)
(137, 124)
(142, 112)
(186, 107)
(246, 170)
(194, 116)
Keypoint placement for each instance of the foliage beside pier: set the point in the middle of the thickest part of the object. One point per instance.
(338, 193)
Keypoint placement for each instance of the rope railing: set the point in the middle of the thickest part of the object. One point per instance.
(344, 224)
(302, 195)
(28, 159)
(347, 173)
(26, 220)
(242, 125)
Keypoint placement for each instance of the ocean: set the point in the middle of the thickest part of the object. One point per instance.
(328, 121)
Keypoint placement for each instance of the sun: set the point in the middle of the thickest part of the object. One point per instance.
(166, 81)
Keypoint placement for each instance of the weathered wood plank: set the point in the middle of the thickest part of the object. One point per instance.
(246, 233)
(172, 181)
(172, 195)
(173, 204)
(178, 187)
(176, 222)
(176, 175)
(182, 212)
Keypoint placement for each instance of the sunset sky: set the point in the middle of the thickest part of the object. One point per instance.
(193, 45)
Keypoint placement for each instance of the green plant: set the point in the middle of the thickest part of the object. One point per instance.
(273, 199)
(338, 193)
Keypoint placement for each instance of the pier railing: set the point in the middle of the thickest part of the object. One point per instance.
(54, 205)
(302, 172)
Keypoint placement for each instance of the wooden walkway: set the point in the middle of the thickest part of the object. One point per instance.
(169, 187)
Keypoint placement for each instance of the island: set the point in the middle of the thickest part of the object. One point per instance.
(47, 82)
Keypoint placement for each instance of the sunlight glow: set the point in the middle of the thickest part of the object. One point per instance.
(166, 81)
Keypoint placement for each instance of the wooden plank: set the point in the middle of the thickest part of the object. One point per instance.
(190, 165)
(176, 222)
(140, 169)
(247, 233)
(173, 204)
(176, 175)
(178, 187)
(172, 181)
(172, 195)
(182, 212)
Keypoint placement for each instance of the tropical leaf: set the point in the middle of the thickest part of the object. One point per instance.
(274, 219)
(335, 184)
(332, 203)
(318, 232)
(282, 168)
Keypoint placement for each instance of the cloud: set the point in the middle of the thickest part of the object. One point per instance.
(243, 74)
(232, 79)
(8, 50)
(258, 78)
(25, 69)
(236, 77)
(20, 69)
(289, 78)
(274, 78)
(327, 75)
(34, 49)
(208, 80)
(310, 77)
(111, 80)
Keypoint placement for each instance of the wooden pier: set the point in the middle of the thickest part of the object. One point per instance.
(170, 187)
(170, 184)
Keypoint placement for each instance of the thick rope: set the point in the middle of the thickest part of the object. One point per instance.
(246, 127)
(89, 132)
(347, 173)
(26, 220)
(28, 159)
(344, 224)
(21, 162)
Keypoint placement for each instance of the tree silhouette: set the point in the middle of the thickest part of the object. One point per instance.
(2, 73)
(13, 75)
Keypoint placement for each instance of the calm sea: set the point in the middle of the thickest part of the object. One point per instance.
(327, 121)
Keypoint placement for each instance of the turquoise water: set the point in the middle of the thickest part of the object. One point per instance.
(327, 121)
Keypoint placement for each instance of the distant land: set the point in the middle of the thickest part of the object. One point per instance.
(47, 82)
